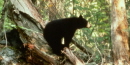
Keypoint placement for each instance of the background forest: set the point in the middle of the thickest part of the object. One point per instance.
(97, 39)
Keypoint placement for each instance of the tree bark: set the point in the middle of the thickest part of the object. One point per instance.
(119, 33)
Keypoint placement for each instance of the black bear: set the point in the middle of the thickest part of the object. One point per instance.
(63, 28)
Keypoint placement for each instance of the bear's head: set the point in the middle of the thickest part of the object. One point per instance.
(82, 23)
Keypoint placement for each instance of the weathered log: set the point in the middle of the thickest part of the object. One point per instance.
(38, 57)
(74, 60)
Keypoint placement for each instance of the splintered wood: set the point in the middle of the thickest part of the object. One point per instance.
(74, 60)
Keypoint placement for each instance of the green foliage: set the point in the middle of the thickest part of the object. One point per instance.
(8, 25)
(99, 34)
(128, 12)
(1, 5)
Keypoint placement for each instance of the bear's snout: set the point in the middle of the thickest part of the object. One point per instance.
(88, 25)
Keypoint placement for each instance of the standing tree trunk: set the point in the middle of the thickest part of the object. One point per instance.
(119, 33)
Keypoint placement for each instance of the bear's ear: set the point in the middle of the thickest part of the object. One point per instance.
(80, 16)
